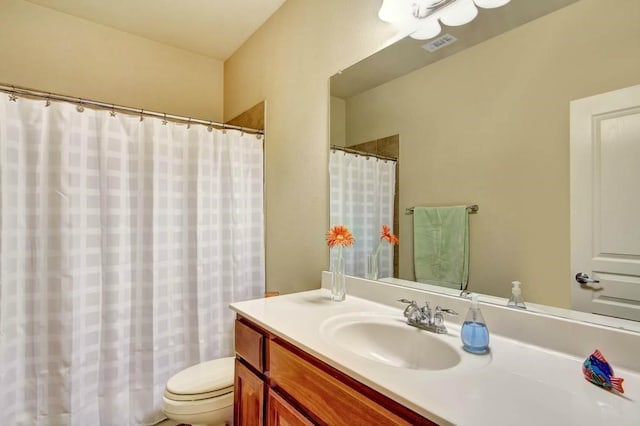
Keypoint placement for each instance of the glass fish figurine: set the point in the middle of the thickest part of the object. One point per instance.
(597, 370)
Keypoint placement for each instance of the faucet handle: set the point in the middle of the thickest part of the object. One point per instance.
(438, 317)
(411, 309)
(426, 309)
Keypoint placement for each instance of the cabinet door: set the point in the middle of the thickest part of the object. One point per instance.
(248, 398)
(281, 413)
(326, 399)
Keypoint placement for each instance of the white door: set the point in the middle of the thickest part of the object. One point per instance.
(605, 203)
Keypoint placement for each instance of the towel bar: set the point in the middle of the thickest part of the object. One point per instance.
(473, 208)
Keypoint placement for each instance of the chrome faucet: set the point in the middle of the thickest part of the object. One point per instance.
(424, 318)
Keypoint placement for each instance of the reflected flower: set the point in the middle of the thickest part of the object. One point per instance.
(388, 236)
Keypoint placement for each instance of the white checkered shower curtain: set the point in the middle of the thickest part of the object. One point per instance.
(122, 242)
(361, 194)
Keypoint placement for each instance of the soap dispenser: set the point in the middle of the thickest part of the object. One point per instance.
(516, 300)
(474, 333)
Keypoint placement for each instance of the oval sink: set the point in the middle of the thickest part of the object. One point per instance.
(389, 340)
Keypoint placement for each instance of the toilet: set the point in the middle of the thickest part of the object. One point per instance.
(201, 395)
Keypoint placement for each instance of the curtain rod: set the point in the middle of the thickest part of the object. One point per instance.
(23, 91)
(364, 154)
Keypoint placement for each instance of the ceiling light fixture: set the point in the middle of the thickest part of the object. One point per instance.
(422, 18)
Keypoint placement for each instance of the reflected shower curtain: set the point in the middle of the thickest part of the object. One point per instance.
(361, 194)
(122, 243)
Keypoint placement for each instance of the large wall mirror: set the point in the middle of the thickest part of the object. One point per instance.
(485, 120)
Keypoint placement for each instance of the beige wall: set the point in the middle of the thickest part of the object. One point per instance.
(288, 63)
(490, 126)
(47, 50)
(338, 120)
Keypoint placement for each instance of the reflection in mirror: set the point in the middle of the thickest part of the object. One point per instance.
(362, 189)
(485, 121)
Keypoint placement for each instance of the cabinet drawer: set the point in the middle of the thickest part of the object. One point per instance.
(250, 345)
(327, 399)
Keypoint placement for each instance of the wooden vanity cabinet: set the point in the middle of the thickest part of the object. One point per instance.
(281, 413)
(249, 389)
(248, 404)
(279, 384)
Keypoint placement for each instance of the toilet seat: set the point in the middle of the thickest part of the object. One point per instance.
(197, 407)
(202, 393)
(202, 381)
(197, 396)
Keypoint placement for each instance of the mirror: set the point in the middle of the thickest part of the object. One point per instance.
(485, 121)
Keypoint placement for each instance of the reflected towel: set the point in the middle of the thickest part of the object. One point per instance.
(441, 245)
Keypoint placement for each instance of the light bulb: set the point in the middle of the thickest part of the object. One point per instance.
(426, 28)
(405, 14)
(391, 11)
(490, 4)
(459, 13)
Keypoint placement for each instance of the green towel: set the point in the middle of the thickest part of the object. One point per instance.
(441, 245)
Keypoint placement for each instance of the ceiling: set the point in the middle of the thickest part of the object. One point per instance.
(408, 55)
(214, 28)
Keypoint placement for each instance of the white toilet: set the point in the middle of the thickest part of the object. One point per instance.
(201, 394)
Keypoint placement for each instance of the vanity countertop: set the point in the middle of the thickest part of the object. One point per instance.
(519, 383)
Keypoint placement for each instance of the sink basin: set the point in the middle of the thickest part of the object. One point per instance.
(389, 340)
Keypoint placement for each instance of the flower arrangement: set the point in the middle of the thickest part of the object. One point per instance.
(338, 237)
(372, 261)
(386, 235)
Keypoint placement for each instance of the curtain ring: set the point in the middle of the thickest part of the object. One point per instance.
(12, 95)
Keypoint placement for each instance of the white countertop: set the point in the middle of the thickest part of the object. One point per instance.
(521, 384)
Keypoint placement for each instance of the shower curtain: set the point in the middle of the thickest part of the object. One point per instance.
(361, 197)
(122, 243)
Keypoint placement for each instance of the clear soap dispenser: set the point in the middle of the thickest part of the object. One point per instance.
(516, 300)
(474, 333)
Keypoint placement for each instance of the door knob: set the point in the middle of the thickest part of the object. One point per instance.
(583, 278)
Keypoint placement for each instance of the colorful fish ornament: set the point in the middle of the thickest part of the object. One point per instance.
(597, 370)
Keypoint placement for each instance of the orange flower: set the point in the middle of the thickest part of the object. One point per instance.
(339, 236)
(387, 235)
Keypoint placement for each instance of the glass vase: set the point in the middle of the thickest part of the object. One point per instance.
(372, 267)
(338, 287)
